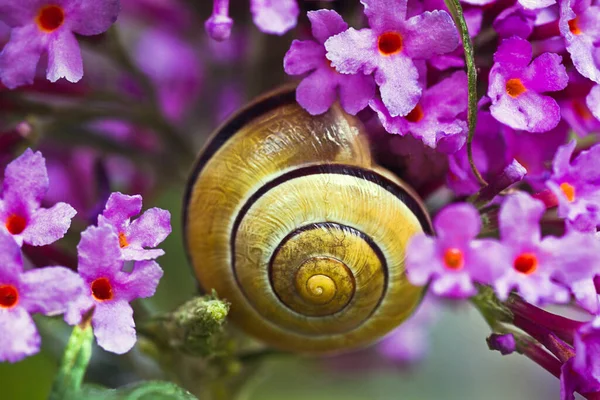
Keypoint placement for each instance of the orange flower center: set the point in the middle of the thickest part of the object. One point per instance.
(416, 114)
(123, 240)
(9, 297)
(454, 259)
(574, 26)
(15, 224)
(102, 289)
(389, 43)
(50, 18)
(582, 110)
(526, 263)
(515, 88)
(568, 190)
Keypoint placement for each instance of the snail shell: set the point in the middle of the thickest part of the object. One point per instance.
(288, 217)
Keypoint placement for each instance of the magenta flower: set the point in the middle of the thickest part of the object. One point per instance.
(581, 373)
(317, 92)
(389, 48)
(579, 24)
(505, 343)
(110, 288)
(516, 86)
(453, 259)
(270, 16)
(581, 105)
(25, 185)
(174, 67)
(515, 21)
(22, 293)
(541, 269)
(438, 119)
(149, 230)
(575, 185)
(41, 27)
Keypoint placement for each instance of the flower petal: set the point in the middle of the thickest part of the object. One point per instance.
(47, 225)
(430, 34)
(398, 81)
(20, 56)
(150, 229)
(19, 337)
(355, 92)
(92, 17)
(547, 74)
(384, 15)
(519, 219)
(49, 290)
(353, 51)
(304, 56)
(120, 208)
(64, 58)
(274, 16)
(141, 282)
(11, 263)
(25, 181)
(530, 111)
(593, 101)
(326, 23)
(18, 13)
(99, 253)
(132, 253)
(317, 92)
(114, 327)
(513, 52)
(457, 223)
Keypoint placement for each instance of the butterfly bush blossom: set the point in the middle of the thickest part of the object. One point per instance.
(42, 27)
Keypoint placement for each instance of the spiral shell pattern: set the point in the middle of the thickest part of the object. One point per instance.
(288, 218)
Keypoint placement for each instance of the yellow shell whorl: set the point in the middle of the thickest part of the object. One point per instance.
(288, 218)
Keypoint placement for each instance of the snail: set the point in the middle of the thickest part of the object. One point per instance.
(289, 218)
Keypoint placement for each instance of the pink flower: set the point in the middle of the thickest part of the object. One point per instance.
(39, 27)
(25, 185)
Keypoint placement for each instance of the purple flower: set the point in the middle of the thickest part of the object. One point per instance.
(579, 24)
(274, 16)
(149, 230)
(533, 262)
(173, 66)
(110, 288)
(22, 293)
(534, 151)
(515, 21)
(41, 27)
(438, 119)
(516, 86)
(453, 259)
(581, 373)
(389, 48)
(25, 185)
(270, 16)
(581, 106)
(576, 186)
(218, 26)
(505, 344)
(317, 92)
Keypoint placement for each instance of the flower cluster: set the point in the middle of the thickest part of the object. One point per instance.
(103, 284)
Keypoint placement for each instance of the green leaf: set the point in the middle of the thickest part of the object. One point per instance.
(74, 363)
(459, 18)
(151, 390)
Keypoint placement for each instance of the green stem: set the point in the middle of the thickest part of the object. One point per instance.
(74, 363)
(459, 18)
